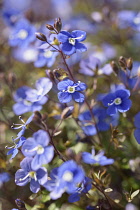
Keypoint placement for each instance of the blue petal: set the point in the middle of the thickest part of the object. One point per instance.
(81, 86)
(21, 174)
(124, 106)
(41, 138)
(137, 120)
(112, 110)
(34, 186)
(68, 49)
(63, 85)
(137, 135)
(123, 94)
(108, 99)
(20, 108)
(63, 36)
(78, 97)
(26, 164)
(28, 146)
(74, 198)
(64, 97)
(42, 175)
(80, 34)
(88, 158)
(80, 47)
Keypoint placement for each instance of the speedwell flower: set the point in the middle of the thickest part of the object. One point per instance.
(37, 146)
(71, 41)
(27, 174)
(117, 101)
(137, 125)
(71, 90)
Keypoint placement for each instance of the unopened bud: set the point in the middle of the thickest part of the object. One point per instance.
(50, 75)
(67, 112)
(60, 74)
(37, 117)
(122, 62)
(41, 36)
(58, 24)
(50, 27)
(129, 63)
(114, 67)
(20, 204)
(70, 153)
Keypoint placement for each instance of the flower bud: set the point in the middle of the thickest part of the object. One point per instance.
(20, 204)
(122, 62)
(114, 67)
(50, 27)
(58, 24)
(67, 112)
(129, 63)
(41, 36)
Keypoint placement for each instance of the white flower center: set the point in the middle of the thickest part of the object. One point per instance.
(117, 101)
(27, 103)
(48, 54)
(22, 34)
(71, 89)
(68, 176)
(72, 41)
(32, 174)
(40, 150)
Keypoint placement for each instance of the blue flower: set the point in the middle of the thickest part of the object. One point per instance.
(117, 101)
(37, 146)
(27, 174)
(71, 41)
(99, 158)
(71, 90)
(4, 177)
(23, 126)
(45, 57)
(43, 86)
(137, 125)
(22, 34)
(103, 121)
(83, 188)
(23, 105)
(92, 66)
(14, 149)
(65, 179)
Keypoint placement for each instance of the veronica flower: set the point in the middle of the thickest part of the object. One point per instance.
(27, 174)
(23, 126)
(137, 125)
(23, 34)
(70, 42)
(117, 101)
(14, 149)
(43, 86)
(23, 105)
(70, 90)
(83, 188)
(99, 158)
(64, 179)
(37, 147)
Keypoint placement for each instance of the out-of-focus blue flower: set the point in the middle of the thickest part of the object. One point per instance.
(45, 57)
(129, 18)
(37, 147)
(70, 42)
(70, 90)
(4, 177)
(14, 149)
(25, 55)
(23, 126)
(137, 125)
(65, 179)
(92, 65)
(99, 158)
(43, 86)
(27, 174)
(23, 33)
(84, 187)
(15, 209)
(103, 121)
(23, 105)
(91, 208)
(131, 78)
(117, 101)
